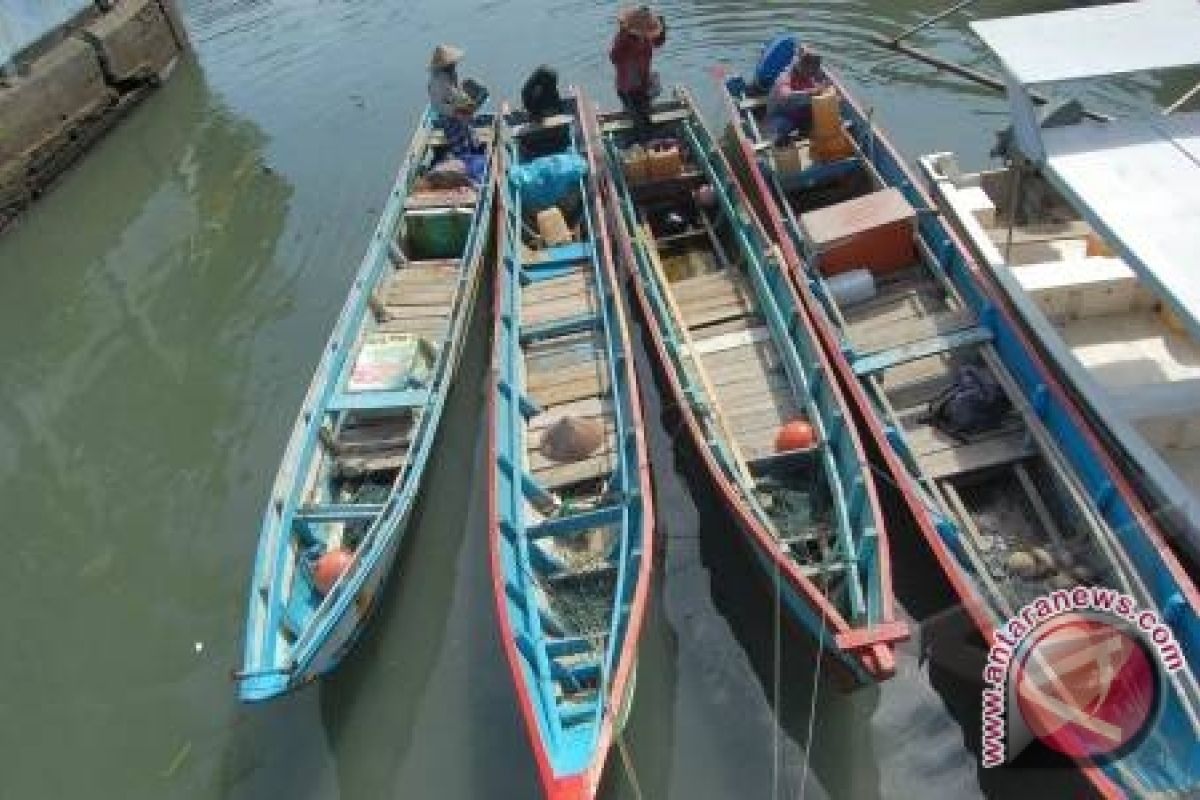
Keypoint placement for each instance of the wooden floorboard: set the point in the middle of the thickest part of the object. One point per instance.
(587, 407)
(569, 285)
(559, 308)
(895, 308)
(736, 325)
(424, 273)
(567, 474)
(965, 458)
(867, 339)
(591, 385)
(537, 381)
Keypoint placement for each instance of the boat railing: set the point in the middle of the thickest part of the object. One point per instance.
(623, 394)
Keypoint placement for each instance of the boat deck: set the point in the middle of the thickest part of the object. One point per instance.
(741, 362)
(567, 372)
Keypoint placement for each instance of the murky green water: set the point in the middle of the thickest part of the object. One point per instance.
(160, 314)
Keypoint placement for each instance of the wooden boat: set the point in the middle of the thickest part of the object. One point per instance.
(345, 490)
(741, 360)
(1040, 472)
(571, 517)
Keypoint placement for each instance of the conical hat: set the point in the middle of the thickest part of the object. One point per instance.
(445, 55)
(572, 439)
(640, 20)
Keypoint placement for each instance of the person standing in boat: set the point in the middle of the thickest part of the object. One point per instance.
(789, 103)
(454, 105)
(639, 32)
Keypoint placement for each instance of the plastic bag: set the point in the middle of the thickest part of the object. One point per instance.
(544, 181)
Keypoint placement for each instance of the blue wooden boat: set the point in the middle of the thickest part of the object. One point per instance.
(740, 357)
(345, 490)
(569, 498)
(1041, 470)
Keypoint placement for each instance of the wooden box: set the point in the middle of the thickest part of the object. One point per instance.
(875, 232)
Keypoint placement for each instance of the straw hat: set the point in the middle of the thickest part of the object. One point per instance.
(572, 439)
(641, 21)
(445, 55)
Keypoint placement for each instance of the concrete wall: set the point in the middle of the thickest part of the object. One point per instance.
(24, 22)
(74, 84)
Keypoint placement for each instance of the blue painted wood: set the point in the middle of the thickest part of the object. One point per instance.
(967, 337)
(556, 261)
(322, 632)
(337, 512)
(377, 401)
(559, 327)
(578, 523)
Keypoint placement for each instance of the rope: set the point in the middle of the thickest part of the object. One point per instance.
(776, 683)
(812, 709)
(627, 762)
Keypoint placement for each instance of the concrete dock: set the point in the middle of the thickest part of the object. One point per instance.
(61, 88)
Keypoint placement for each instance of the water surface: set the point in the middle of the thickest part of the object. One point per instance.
(161, 311)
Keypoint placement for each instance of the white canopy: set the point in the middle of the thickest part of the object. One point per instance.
(1137, 181)
(1097, 40)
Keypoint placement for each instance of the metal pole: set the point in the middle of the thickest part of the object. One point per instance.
(1188, 95)
(935, 18)
(982, 78)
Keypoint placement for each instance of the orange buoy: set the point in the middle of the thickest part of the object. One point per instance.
(795, 435)
(331, 566)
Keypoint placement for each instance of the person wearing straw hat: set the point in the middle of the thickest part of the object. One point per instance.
(639, 32)
(452, 103)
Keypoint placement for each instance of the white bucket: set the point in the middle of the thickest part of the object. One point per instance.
(848, 288)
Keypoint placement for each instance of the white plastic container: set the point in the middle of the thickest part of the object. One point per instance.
(854, 286)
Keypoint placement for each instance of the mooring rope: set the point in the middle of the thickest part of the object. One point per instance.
(812, 709)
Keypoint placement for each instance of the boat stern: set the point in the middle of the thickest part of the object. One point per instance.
(263, 686)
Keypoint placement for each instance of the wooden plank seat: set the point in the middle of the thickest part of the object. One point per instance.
(378, 400)
(942, 456)
(441, 198)
(913, 351)
(557, 257)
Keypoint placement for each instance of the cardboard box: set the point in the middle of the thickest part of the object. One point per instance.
(874, 232)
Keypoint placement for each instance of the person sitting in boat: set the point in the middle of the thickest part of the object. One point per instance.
(789, 103)
(453, 104)
(540, 95)
(639, 32)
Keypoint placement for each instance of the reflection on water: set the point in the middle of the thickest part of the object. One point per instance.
(160, 314)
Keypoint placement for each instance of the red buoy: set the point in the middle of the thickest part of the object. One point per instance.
(795, 435)
(331, 566)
